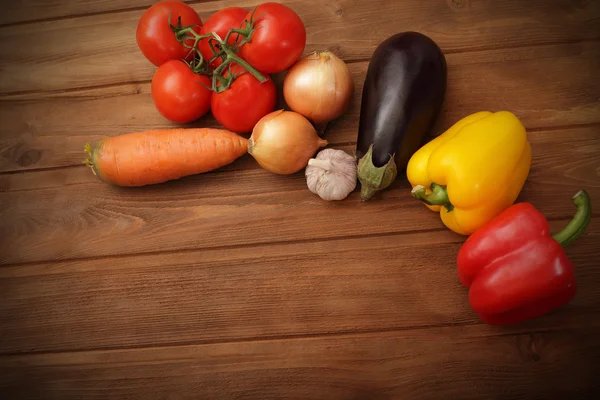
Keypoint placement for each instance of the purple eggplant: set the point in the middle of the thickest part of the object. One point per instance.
(402, 96)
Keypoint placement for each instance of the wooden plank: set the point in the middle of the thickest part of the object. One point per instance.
(248, 207)
(34, 10)
(101, 49)
(446, 363)
(51, 132)
(368, 283)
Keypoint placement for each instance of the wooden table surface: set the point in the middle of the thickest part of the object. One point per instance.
(242, 284)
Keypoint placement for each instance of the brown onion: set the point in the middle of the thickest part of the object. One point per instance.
(282, 142)
(319, 86)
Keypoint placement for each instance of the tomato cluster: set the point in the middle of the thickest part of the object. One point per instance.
(222, 64)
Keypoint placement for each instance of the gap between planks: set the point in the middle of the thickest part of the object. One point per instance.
(459, 239)
(267, 338)
(90, 14)
(513, 331)
(46, 169)
(238, 246)
(534, 129)
(7, 96)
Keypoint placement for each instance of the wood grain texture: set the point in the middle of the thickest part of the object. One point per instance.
(431, 364)
(370, 283)
(14, 12)
(242, 284)
(101, 49)
(51, 131)
(250, 207)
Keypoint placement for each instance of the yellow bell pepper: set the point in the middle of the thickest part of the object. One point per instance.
(472, 171)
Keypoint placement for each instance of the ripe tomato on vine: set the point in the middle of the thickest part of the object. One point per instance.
(276, 38)
(155, 32)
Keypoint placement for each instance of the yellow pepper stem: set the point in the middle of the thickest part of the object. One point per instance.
(437, 197)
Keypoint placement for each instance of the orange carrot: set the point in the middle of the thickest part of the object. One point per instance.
(155, 156)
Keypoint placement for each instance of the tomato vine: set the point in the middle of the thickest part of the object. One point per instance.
(220, 49)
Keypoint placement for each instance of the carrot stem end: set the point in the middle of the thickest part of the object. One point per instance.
(87, 148)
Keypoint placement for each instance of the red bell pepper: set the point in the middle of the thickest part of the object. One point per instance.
(515, 270)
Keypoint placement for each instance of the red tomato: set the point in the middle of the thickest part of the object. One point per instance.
(278, 41)
(220, 23)
(179, 94)
(155, 38)
(246, 101)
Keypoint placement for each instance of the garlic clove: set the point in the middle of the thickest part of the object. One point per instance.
(331, 174)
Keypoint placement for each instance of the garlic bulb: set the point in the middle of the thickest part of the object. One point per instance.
(331, 174)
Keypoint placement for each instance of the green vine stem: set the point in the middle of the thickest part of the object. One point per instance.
(225, 51)
(246, 32)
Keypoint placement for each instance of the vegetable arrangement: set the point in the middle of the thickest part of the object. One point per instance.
(471, 174)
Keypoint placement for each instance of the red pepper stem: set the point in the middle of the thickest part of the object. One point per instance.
(437, 197)
(580, 221)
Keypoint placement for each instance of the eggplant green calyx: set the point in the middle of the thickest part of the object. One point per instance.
(437, 197)
(372, 178)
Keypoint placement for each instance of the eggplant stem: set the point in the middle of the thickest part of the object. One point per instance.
(366, 192)
(372, 178)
